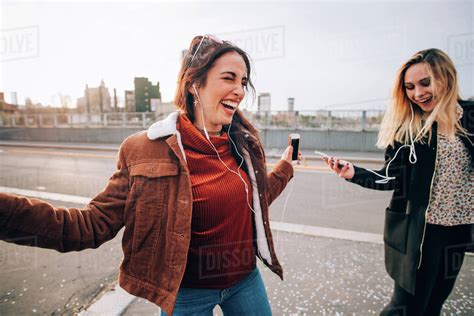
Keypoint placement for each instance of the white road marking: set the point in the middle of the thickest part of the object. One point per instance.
(327, 232)
(113, 302)
(47, 195)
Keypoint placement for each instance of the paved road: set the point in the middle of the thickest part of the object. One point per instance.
(323, 275)
(317, 197)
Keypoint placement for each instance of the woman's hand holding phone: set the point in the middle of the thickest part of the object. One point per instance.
(342, 168)
(288, 155)
(292, 152)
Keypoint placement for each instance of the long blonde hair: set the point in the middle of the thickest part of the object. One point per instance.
(403, 115)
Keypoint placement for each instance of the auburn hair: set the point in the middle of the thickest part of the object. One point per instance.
(194, 71)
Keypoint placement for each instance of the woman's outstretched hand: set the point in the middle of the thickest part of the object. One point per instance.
(342, 168)
(288, 153)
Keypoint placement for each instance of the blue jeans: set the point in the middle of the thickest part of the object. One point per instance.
(248, 297)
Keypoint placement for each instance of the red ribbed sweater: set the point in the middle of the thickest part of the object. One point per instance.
(222, 251)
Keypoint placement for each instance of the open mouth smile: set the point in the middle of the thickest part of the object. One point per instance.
(425, 100)
(229, 106)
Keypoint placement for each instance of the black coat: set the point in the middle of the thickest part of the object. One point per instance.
(405, 216)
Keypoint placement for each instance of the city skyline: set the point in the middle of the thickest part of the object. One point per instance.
(321, 54)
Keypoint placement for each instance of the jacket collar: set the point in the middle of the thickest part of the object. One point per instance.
(167, 127)
(164, 127)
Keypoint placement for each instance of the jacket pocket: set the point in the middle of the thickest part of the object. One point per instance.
(145, 237)
(151, 191)
(150, 183)
(178, 251)
(154, 169)
(396, 230)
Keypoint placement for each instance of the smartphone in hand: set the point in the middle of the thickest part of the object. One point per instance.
(325, 156)
(294, 141)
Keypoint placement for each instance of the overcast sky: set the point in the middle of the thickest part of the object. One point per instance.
(325, 54)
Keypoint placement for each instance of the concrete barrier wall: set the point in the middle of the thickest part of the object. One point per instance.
(68, 135)
(363, 141)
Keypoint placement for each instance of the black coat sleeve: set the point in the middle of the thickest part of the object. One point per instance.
(396, 168)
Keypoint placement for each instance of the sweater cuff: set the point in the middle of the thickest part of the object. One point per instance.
(357, 173)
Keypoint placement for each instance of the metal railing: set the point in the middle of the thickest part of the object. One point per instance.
(319, 120)
(136, 119)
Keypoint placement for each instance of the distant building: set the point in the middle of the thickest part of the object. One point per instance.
(145, 92)
(291, 104)
(155, 104)
(28, 102)
(63, 99)
(264, 102)
(95, 100)
(130, 101)
(6, 107)
(165, 108)
(30, 106)
(14, 96)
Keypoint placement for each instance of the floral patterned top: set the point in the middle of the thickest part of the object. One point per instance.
(452, 193)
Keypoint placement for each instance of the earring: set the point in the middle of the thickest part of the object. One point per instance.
(195, 102)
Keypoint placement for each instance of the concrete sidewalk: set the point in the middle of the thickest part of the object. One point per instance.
(271, 153)
(325, 276)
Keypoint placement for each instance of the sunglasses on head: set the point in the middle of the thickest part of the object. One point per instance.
(209, 37)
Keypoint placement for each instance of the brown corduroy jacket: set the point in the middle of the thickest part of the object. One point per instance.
(149, 194)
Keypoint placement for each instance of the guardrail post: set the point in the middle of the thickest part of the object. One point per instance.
(329, 120)
(55, 120)
(123, 118)
(143, 119)
(364, 120)
(105, 119)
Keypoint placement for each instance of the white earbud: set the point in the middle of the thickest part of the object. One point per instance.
(202, 112)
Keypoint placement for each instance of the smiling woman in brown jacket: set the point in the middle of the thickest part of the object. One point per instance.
(192, 193)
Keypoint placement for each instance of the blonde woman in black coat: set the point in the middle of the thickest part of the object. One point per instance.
(427, 133)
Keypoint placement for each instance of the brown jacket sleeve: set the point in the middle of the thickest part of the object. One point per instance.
(37, 223)
(278, 179)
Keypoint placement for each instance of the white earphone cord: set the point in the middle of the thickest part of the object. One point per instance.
(240, 165)
(219, 157)
(412, 157)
